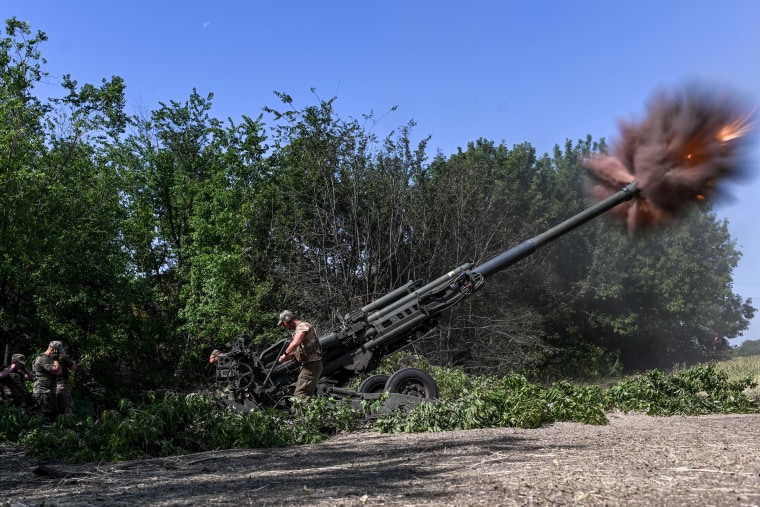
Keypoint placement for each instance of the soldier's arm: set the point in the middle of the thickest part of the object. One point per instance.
(295, 342)
(68, 362)
(291, 348)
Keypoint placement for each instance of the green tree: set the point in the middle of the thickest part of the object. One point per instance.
(229, 288)
(341, 233)
(63, 271)
(659, 299)
(475, 205)
(22, 141)
(194, 230)
(747, 348)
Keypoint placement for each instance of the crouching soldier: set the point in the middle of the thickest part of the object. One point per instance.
(13, 380)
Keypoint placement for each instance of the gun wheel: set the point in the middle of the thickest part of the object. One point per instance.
(413, 382)
(374, 384)
(241, 375)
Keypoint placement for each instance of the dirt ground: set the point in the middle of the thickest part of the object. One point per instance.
(635, 460)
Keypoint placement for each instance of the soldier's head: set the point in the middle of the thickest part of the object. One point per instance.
(18, 359)
(287, 319)
(55, 347)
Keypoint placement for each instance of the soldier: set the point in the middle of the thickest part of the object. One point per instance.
(14, 379)
(47, 369)
(306, 349)
(63, 396)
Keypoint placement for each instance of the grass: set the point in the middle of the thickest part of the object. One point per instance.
(738, 368)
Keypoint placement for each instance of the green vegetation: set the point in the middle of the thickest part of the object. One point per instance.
(703, 389)
(171, 424)
(747, 348)
(742, 367)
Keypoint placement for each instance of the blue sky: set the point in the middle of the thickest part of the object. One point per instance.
(531, 71)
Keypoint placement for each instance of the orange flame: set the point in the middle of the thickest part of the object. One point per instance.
(735, 130)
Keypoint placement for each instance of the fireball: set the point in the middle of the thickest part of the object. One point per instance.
(680, 153)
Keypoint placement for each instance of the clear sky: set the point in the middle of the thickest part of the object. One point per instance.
(535, 71)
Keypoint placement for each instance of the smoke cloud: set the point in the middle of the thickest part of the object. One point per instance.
(686, 146)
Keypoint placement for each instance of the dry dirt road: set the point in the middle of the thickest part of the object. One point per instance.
(635, 460)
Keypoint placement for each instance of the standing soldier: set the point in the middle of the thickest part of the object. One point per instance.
(306, 349)
(63, 396)
(13, 380)
(47, 369)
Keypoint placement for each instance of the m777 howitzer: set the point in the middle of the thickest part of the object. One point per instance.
(677, 155)
(381, 328)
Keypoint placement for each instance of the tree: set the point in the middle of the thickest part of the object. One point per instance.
(193, 230)
(477, 204)
(342, 229)
(21, 143)
(64, 271)
(660, 299)
(747, 348)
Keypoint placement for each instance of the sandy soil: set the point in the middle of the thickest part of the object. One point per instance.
(635, 460)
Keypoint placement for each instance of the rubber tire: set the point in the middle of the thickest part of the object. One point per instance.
(374, 384)
(413, 382)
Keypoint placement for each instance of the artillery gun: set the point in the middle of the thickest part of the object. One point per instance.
(379, 329)
(687, 143)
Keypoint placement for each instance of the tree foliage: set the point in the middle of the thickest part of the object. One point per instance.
(747, 348)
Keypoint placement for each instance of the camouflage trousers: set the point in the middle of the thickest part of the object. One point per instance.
(45, 404)
(14, 394)
(308, 378)
(64, 399)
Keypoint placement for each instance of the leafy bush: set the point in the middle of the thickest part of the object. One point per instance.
(702, 389)
(15, 422)
(314, 420)
(492, 402)
(165, 424)
(174, 425)
(581, 361)
(568, 402)
(452, 383)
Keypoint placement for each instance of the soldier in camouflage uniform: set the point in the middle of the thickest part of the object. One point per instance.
(47, 369)
(64, 399)
(13, 380)
(306, 349)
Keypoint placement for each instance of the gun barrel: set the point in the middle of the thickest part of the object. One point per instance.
(511, 256)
